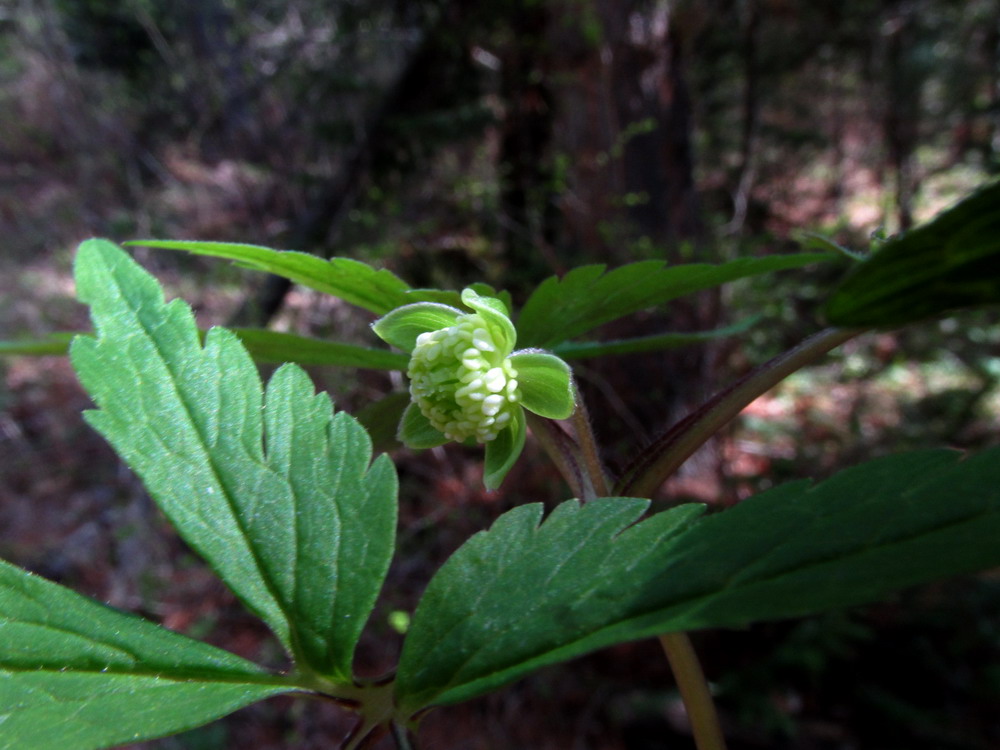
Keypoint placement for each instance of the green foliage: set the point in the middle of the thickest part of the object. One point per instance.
(281, 497)
(951, 262)
(525, 594)
(274, 491)
(76, 674)
(378, 291)
(265, 346)
(276, 347)
(564, 308)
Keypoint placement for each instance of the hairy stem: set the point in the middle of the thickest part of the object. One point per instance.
(675, 446)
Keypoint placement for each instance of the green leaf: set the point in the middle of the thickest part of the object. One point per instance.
(544, 384)
(589, 296)
(277, 347)
(416, 431)
(53, 343)
(503, 451)
(520, 595)
(277, 493)
(357, 283)
(381, 418)
(523, 595)
(402, 326)
(813, 241)
(951, 262)
(654, 343)
(265, 346)
(496, 316)
(77, 674)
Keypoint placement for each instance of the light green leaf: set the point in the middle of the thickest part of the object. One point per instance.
(357, 283)
(589, 296)
(544, 383)
(77, 674)
(503, 451)
(523, 595)
(402, 326)
(496, 316)
(951, 262)
(277, 493)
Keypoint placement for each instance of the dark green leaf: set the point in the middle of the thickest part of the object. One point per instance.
(350, 280)
(523, 595)
(416, 431)
(654, 343)
(75, 674)
(277, 347)
(381, 418)
(813, 241)
(276, 492)
(53, 343)
(951, 262)
(587, 297)
(264, 346)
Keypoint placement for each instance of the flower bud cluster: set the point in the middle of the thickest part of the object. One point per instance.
(462, 382)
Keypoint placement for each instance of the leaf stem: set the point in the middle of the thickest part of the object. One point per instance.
(563, 451)
(676, 445)
(597, 480)
(694, 691)
(403, 737)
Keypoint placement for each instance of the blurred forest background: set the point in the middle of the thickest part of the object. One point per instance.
(461, 140)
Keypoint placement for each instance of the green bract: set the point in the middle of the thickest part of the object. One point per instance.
(468, 384)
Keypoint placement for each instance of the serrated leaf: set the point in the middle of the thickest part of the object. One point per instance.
(77, 674)
(275, 491)
(949, 263)
(520, 595)
(523, 595)
(376, 290)
(589, 296)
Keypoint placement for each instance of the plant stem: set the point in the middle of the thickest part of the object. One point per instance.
(598, 483)
(563, 451)
(404, 739)
(694, 691)
(680, 653)
(675, 446)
